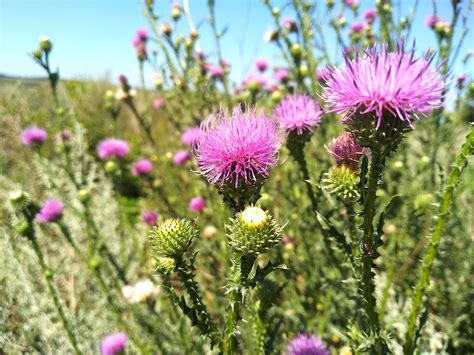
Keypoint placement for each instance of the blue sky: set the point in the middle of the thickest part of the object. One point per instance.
(92, 37)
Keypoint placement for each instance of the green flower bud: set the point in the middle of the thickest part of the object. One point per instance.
(276, 96)
(304, 70)
(37, 54)
(45, 44)
(165, 265)
(296, 50)
(21, 227)
(172, 237)
(342, 182)
(276, 11)
(253, 231)
(110, 166)
(423, 201)
(83, 195)
(175, 13)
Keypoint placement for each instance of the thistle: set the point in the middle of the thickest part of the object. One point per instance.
(342, 182)
(173, 237)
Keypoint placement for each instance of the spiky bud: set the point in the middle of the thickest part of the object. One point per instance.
(165, 265)
(342, 182)
(45, 44)
(172, 237)
(253, 231)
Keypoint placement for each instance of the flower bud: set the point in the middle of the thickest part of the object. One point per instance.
(175, 13)
(209, 232)
(110, 166)
(165, 265)
(271, 36)
(166, 29)
(253, 231)
(276, 11)
(296, 50)
(172, 237)
(37, 54)
(342, 182)
(83, 195)
(45, 44)
(276, 96)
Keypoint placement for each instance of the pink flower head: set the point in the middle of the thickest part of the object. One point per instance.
(142, 33)
(33, 135)
(158, 102)
(197, 204)
(381, 82)
(51, 211)
(346, 151)
(298, 113)
(239, 149)
(217, 71)
(432, 20)
(150, 218)
(281, 74)
(261, 64)
(287, 240)
(323, 74)
(225, 64)
(113, 344)
(191, 136)
(357, 27)
(290, 24)
(181, 157)
(305, 344)
(201, 55)
(257, 79)
(123, 80)
(461, 79)
(370, 15)
(112, 147)
(351, 3)
(142, 167)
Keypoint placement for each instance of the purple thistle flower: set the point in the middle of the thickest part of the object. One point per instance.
(33, 135)
(112, 147)
(113, 344)
(346, 151)
(298, 113)
(323, 74)
(149, 217)
(217, 72)
(51, 211)
(351, 3)
(191, 136)
(370, 15)
(197, 204)
(385, 82)
(181, 157)
(357, 27)
(257, 79)
(432, 20)
(142, 33)
(142, 167)
(158, 103)
(305, 344)
(239, 149)
(261, 64)
(281, 74)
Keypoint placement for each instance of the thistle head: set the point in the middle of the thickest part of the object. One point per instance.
(346, 151)
(253, 231)
(172, 238)
(342, 182)
(298, 114)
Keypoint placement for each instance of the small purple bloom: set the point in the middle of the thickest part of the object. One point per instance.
(150, 217)
(181, 157)
(197, 204)
(290, 24)
(385, 83)
(191, 136)
(113, 344)
(158, 103)
(287, 240)
(217, 72)
(123, 80)
(357, 27)
(281, 74)
(351, 3)
(305, 344)
(142, 167)
(112, 147)
(432, 20)
(370, 15)
(201, 55)
(33, 135)
(142, 33)
(239, 149)
(461, 79)
(346, 151)
(298, 113)
(323, 74)
(257, 79)
(51, 211)
(261, 64)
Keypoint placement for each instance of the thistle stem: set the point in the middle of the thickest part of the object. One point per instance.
(457, 168)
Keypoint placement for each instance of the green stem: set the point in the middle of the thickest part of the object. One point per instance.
(368, 244)
(457, 168)
(144, 124)
(48, 276)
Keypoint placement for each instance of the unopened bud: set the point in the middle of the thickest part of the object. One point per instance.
(45, 44)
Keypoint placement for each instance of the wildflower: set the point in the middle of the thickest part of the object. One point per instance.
(357, 27)
(387, 85)
(281, 74)
(113, 344)
(261, 65)
(432, 20)
(172, 237)
(209, 232)
(298, 113)
(166, 29)
(351, 3)
(323, 74)
(239, 149)
(370, 15)
(45, 44)
(287, 240)
(346, 151)
(217, 72)
(33, 135)
(271, 36)
(158, 103)
(191, 136)
(51, 211)
(112, 147)
(142, 167)
(341, 181)
(290, 24)
(305, 344)
(197, 204)
(149, 217)
(181, 157)
(255, 80)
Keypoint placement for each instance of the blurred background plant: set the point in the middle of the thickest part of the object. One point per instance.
(120, 158)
